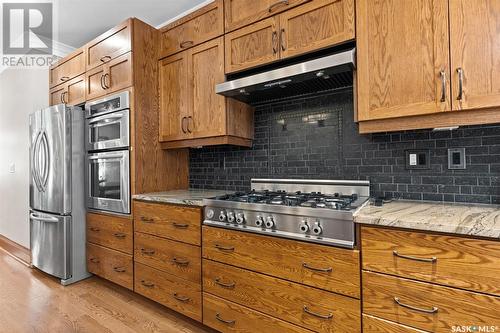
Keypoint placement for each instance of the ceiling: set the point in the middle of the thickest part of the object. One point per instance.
(81, 20)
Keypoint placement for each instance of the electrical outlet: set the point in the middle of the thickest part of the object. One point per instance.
(418, 159)
(456, 158)
(12, 167)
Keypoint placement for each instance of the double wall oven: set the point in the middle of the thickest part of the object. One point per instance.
(108, 153)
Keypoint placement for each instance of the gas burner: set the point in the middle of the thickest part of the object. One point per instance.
(309, 210)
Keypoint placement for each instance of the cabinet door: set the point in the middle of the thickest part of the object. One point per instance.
(174, 95)
(94, 82)
(475, 51)
(118, 73)
(56, 94)
(402, 58)
(67, 68)
(239, 13)
(316, 25)
(75, 91)
(251, 46)
(206, 70)
(109, 45)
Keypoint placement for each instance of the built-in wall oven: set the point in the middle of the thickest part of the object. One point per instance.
(108, 155)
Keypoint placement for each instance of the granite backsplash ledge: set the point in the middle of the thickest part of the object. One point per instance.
(316, 137)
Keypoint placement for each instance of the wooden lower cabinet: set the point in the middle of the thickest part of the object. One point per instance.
(111, 265)
(427, 306)
(114, 232)
(311, 308)
(169, 290)
(377, 325)
(226, 316)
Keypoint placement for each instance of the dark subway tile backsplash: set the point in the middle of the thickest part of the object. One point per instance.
(316, 137)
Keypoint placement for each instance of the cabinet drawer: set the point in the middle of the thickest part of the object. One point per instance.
(238, 13)
(320, 266)
(111, 265)
(110, 231)
(292, 302)
(225, 316)
(67, 68)
(109, 45)
(166, 289)
(377, 325)
(195, 28)
(179, 259)
(174, 222)
(426, 306)
(466, 263)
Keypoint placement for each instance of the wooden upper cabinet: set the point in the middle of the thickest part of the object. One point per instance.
(56, 95)
(94, 86)
(72, 92)
(206, 63)
(475, 52)
(238, 13)
(110, 77)
(200, 26)
(67, 68)
(316, 25)
(402, 58)
(174, 95)
(109, 45)
(252, 46)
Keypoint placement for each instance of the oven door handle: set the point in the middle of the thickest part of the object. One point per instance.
(97, 157)
(103, 119)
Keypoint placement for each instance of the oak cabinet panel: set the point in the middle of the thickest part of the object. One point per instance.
(110, 231)
(475, 53)
(111, 265)
(109, 45)
(194, 29)
(403, 58)
(94, 86)
(56, 94)
(67, 68)
(108, 78)
(72, 92)
(376, 325)
(238, 13)
(316, 25)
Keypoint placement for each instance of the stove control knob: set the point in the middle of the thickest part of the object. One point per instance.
(230, 217)
(240, 218)
(270, 222)
(259, 221)
(304, 227)
(222, 216)
(317, 229)
(210, 213)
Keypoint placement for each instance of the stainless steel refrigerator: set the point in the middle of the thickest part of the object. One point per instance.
(57, 192)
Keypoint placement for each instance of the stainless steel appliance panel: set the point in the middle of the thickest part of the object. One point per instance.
(50, 160)
(109, 131)
(107, 104)
(51, 243)
(109, 181)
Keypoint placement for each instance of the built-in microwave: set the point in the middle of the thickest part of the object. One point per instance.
(108, 131)
(109, 181)
(108, 104)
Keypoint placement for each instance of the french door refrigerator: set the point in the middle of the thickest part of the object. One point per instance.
(57, 192)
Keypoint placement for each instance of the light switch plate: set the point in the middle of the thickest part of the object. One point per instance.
(418, 159)
(12, 167)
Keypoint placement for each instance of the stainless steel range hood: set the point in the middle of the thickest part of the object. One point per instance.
(321, 74)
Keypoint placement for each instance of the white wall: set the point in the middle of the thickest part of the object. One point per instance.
(21, 92)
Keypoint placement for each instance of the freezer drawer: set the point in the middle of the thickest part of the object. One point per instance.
(50, 238)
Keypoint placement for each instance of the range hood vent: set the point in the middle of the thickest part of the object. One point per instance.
(322, 74)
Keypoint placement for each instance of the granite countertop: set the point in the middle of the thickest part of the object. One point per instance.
(465, 219)
(191, 197)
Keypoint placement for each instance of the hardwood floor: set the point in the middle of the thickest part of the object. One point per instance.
(31, 301)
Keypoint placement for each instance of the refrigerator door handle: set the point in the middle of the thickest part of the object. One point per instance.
(46, 161)
(34, 157)
(36, 217)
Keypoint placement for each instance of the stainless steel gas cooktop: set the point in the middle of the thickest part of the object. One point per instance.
(318, 211)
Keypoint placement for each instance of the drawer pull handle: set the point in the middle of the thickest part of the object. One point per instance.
(185, 44)
(276, 4)
(229, 285)
(64, 78)
(119, 235)
(180, 262)
(147, 252)
(147, 284)
(443, 86)
(432, 310)
(181, 298)
(396, 253)
(94, 260)
(219, 318)
(95, 229)
(224, 248)
(180, 225)
(106, 58)
(324, 270)
(460, 72)
(282, 40)
(147, 220)
(306, 310)
(119, 269)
